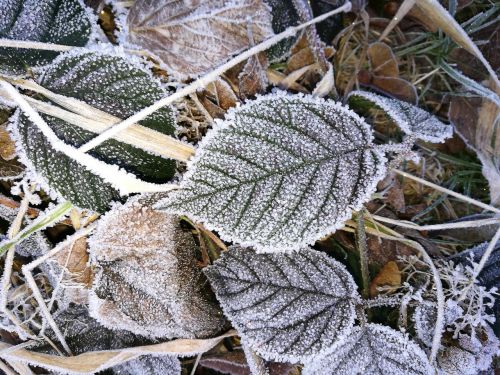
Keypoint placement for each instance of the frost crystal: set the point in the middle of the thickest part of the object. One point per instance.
(150, 365)
(194, 37)
(147, 279)
(375, 350)
(112, 84)
(286, 306)
(411, 119)
(280, 172)
(455, 361)
(67, 22)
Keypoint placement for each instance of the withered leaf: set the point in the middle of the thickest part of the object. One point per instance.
(253, 77)
(382, 60)
(194, 36)
(217, 98)
(147, 279)
(389, 275)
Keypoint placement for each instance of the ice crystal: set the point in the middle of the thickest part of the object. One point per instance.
(411, 119)
(284, 15)
(150, 365)
(67, 22)
(194, 37)
(456, 361)
(110, 83)
(286, 306)
(280, 172)
(372, 349)
(147, 279)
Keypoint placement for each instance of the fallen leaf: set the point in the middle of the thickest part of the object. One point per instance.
(217, 98)
(195, 36)
(382, 60)
(389, 275)
(478, 122)
(253, 78)
(7, 145)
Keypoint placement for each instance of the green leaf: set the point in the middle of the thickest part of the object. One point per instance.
(286, 306)
(372, 349)
(112, 84)
(66, 22)
(284, 16)
(280, 172)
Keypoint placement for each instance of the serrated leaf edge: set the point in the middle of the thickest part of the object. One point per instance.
(228, 122)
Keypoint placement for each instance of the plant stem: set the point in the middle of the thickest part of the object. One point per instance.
(363, 253)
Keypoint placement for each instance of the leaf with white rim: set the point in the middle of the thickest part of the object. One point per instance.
(372, 349)
(192, 37)
(66, 22)
(280, 172)
(411, 119)
(112, 83)
(285, 306)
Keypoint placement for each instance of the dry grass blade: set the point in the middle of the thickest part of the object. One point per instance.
(92, 362)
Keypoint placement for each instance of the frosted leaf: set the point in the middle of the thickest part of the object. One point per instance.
(455, 361)
(373, 350)
(411, 119)
(84, 334)
(147, 280)
(67, 22)
(284, 15)
(112, 84)
(194, 37)
(150, 365)
(286, 306)
(280, 172)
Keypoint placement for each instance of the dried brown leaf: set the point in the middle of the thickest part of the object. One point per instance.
(217, 98)
(478, 122)
(382, 60)
(389, 275)
(194, 36)
(7, 145)
(253, 78)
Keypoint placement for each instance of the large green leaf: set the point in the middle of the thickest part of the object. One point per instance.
(66, 22)
(112, 84)
(280, 172)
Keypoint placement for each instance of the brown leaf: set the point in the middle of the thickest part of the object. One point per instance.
(253, 77)
(389, 275)
(7, 145)
(382, 60)
(75, 259)
(302, 55)
(147, 279)
(232, 363)
(217, 98)
(478, 122)
(194, 36)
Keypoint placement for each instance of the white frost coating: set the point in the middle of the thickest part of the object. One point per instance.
(150, 365)
(372, 349)
(147, 280)
(125, 183)
(286, 307)
(280, 172)
(411, 119)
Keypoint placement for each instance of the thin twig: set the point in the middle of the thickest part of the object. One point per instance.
(363, 253)
(206, 79)
(462, 197)
(459, 224)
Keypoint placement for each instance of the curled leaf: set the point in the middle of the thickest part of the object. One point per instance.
(280, 172)
(411, 119)
(147, 279)
(286, 306)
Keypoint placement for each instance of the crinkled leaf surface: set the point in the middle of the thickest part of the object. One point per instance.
(147, 279)
(150, 365)
(284, 15)
(411, 119)
(66, 22)
(112, 84)
(373, 349)
(193, 37)
(286, 306)
(280, 172)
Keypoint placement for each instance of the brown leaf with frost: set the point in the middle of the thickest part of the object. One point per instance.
(253, 78)
(147, 279)
(478, 122)
(388, 276)
(192, 37)
(217, 98)
(7, 145)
